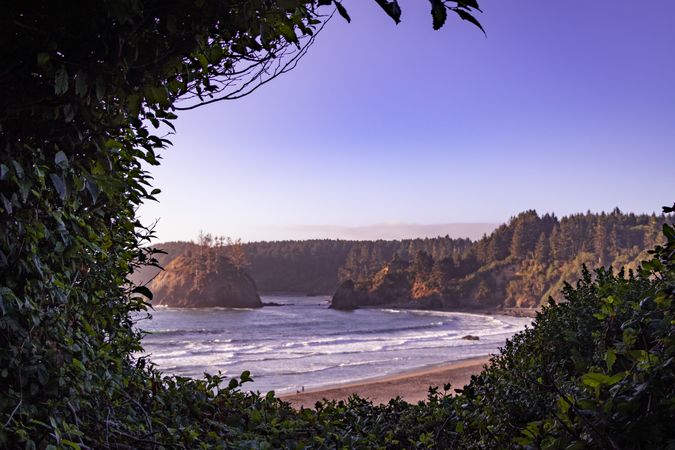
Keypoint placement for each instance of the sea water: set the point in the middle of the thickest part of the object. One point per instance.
(304, 344)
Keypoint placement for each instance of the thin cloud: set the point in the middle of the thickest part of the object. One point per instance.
(386, 231)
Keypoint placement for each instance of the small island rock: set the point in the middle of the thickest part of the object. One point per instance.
(346, 297)
(470, 337)
(197, 282)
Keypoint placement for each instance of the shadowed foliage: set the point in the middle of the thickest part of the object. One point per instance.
(89, 93)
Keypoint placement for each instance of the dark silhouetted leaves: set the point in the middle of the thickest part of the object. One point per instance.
(438, 13)
(343, 12)
(143, 290)
(392, 9)
(467, 16)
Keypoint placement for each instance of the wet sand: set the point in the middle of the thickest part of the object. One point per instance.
(411, 386)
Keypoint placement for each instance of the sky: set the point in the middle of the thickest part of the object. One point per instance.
(395, 131)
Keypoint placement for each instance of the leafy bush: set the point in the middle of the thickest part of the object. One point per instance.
(595, 371)
(88, 88)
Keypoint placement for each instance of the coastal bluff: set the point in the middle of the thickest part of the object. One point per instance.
(400, 283)
(204, 281)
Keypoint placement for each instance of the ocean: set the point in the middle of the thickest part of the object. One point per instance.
(305, 344)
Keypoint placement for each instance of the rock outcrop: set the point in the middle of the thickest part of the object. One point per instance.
(400, 283)
(199, 282)
(346, 297)
(390, 285)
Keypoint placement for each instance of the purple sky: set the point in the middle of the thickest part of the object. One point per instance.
(565, 106)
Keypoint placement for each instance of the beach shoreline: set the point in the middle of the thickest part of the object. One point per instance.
(411, 385)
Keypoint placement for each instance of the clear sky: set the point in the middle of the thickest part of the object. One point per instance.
(565, 106)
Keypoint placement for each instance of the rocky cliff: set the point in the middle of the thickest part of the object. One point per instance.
(395, 284)
(204, 281)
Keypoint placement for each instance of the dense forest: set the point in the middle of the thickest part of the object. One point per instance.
(312, 266)
(520, 264)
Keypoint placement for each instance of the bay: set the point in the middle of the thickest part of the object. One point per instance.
(304, 344)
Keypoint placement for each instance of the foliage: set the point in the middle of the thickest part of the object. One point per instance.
(86, 91)
(89, 94)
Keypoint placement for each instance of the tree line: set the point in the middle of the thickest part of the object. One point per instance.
(519, 264)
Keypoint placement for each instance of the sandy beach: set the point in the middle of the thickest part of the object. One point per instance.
(412, 386)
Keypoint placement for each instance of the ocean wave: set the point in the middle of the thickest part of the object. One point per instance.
(309, 345)
(366, 363)
(183, 331)
(457, 315)
(392, 329)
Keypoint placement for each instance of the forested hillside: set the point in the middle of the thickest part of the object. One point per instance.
(313, 266)
(520, 264)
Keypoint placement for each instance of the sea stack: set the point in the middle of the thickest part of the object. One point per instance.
(204, 281)
(345, 297)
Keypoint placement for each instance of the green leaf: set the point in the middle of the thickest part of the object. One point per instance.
(59, 185)
(343, 12)
(203, 61)
(111, 143)
(61, 81)
(81, 85)
(4, 171)
(6, 204)
(70, 444)
(61, 160)
(669, 231)
(288, 32)
(93, 189)
(18, 169)
(134, 105)
(77, 363)
(564, 404)
(594, 379)
(42, 58)
(100, 88)
(629, 336)
(610, 358)
(256, 416)
(143, 290)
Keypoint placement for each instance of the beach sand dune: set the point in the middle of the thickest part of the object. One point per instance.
(411, 386)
